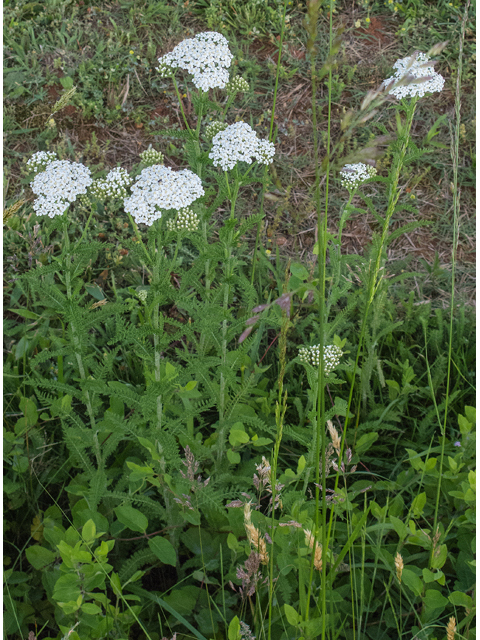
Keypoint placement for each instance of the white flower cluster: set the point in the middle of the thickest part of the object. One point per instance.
(414, 66)
(113, 186)
(207, 57)
(354, 174)
(213, 128)
(40, 160)
(152, 156)
(142, 294)
(159, 186)
(237, 84)
(331, 356)
(186, 219)
(58, 186)
(239, 142)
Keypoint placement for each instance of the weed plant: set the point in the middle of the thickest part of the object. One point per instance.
(230, 446)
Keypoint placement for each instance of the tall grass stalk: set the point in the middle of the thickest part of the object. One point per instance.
(455, 137)
(312, 13)
(270, 137)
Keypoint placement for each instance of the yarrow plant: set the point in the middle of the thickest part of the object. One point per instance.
(151, 156)
(206, 57)
(58, 186)
(414, 66)
(353, 175)
(213, 128)
(331, 356)
(239, 142)
(40, 160)
(159, 188)
(115, 185)
(186, 220)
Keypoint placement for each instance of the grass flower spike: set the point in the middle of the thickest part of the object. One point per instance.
(399, 566)
(207, 57)
(58, 186)
(239, 142)
(309, 540)
(158, 187)
(353, 175)
(415, 67)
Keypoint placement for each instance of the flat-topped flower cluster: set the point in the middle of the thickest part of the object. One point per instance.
(206, 56)
(415, 67)
(354, 174)
(239, 142)
(158, 187)
(58, 185)
(331, 356)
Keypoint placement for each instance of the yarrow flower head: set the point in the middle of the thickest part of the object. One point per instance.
(158, 187)
(213, 128)
(113, 186)
(237, 84)
(40, 160)
(207, 57)
(186, 220)
(415, 66)
(142, 294)
(354, 174)
(151, 156)
(239, 142)
(58, 186)
(331, 356)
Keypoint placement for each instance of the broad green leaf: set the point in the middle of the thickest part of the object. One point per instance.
(461, 599)
(412, 581)
(89, 531)
(418, 504)
(400, 528)
(91, 609)
(292, 615)
(39, 557)
(163, 549)
(434, 599)
(234, 629)
(440, 557)
(132, 518)
(261, 442)
(25, 313)
(233, 456)
(365, 442)
(299, 271)
(237, 437)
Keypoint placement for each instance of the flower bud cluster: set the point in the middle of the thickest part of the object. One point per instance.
(152, 156)
(354, 174)
(142, 294)
(207, 57)
(158, 187)
(331, 356)
(40, 160)
(236, 84)
(415, 67)
(186, 219)
(213, 128)
(239, 142)
(113, 186)
(58, 185)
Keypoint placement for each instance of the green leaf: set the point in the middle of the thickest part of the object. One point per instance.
(418, 504)
(25, 313)
(132, 518)
(292, 615)
(261, 442)
(95, 291)
(434, 599)
(233, 456)
(299, 271)
(461, 599)
(89, 531)
(91, 609)
(163, 549)
(365, 442)
(412, 581)
(400, 528)
(440, 557)
(238, 435)
(234, 629)
(39, 557)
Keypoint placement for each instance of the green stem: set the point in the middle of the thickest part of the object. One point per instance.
(76, 339)
(156, 328)
(233, 194)
(181, 103)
